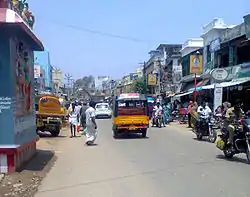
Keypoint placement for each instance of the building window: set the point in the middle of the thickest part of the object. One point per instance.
(208, 54)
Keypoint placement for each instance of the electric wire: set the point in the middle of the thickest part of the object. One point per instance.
(106, 34)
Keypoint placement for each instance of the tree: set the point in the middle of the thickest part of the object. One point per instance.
(140, 86)
(87, 83)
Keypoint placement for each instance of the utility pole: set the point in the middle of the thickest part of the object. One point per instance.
(160, 74)
(68, 77)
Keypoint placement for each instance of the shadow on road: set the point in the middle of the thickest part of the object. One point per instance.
(204, 139)
(48, 135)
(130, 136)
(234, 159)
(39, 161)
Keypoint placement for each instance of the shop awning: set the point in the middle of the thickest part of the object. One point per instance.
(199, 85)
(230, 83)
(187, 86)
(182, 94)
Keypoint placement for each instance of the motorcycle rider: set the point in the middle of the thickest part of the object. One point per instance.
(233, 114)
(157, 111)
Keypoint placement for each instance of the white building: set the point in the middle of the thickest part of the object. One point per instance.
(211, 37)
(191, 45)
(100, 82)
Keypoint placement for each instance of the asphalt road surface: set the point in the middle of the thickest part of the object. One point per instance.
(169, 163)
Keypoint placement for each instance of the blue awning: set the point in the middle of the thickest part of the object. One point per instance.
(197, 89)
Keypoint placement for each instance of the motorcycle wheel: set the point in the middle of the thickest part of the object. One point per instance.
(213, 136)
(228, 153)
(199, 136)
(159, 123)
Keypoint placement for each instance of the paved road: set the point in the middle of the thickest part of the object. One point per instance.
(170, 163)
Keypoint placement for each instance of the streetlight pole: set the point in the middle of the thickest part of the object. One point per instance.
(68, 78)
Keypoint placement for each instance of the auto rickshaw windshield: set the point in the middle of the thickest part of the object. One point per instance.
(132, 107)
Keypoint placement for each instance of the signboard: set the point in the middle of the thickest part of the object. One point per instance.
(219, 74)
(196, 64)
(152, 79)
(37, 71)
(247, 25)
(129, 95)
(214, 45)
(218, 92)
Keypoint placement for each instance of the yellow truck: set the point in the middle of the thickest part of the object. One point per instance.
(51, 114)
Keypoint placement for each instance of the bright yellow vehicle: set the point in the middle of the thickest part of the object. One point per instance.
(130, 114)
(51, 114)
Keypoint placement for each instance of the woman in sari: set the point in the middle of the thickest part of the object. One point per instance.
(167, 111)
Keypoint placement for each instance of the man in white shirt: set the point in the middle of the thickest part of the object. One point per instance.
(91, 132)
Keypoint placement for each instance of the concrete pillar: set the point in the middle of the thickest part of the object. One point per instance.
(17, 110)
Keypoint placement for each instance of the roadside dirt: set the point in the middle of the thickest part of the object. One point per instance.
(25, 182)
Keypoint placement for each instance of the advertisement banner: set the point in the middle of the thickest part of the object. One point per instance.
(247, 25)
(196, 64)
(218, 91)
(152, 79)
(37, 71)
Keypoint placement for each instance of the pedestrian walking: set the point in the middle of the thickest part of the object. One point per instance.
(73, 119)
(83, 109)
(91, 126)
(190, 105)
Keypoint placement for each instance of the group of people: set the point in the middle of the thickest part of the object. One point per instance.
(83, 115)
(160, 110)
(227, 113)
(194, 111)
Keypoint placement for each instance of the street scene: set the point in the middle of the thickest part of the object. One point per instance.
(96, 100)
(170, 162)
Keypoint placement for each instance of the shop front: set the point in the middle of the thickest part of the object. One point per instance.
(17, 108)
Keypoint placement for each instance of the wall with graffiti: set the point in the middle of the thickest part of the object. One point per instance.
(24, 108)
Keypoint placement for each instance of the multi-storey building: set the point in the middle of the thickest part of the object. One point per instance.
(42, 58)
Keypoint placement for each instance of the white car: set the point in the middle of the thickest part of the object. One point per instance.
(103, 110)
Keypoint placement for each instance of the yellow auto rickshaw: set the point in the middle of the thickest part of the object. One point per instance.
(51, 114)
(130, 114)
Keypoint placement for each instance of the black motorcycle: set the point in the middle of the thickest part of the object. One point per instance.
(241, 140)
(205, 126)
(157, 120)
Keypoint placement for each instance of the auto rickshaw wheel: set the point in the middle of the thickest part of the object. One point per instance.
(144, 133)
(115, 133)
(56, 132)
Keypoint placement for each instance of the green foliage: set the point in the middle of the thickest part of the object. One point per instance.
(86, 83)
(140, 86)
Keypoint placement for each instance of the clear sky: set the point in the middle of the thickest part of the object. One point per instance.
(59, 25)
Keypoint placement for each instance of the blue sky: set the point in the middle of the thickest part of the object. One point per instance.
(164, 21)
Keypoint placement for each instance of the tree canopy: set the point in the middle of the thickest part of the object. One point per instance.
(140, 86)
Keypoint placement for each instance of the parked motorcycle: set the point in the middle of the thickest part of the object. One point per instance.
(241, 141)
(205, 126)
